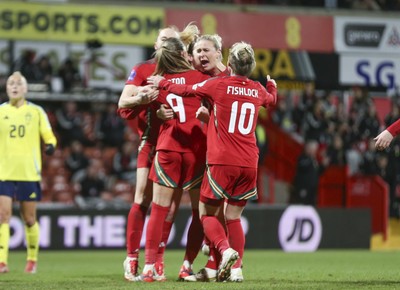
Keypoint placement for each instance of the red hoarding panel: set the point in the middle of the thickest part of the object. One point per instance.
(370, 192)
(332, 187)
(261, 30)
(283, 152)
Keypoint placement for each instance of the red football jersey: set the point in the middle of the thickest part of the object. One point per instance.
(394, 129)
(184, 133)
(148, 123)
(231, 130)
(224, 73)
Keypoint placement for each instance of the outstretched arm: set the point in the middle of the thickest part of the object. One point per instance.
(384, 139)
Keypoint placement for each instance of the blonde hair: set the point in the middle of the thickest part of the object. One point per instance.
(241, 59)
(214, 38)
(189, 34)
(173, 27)
(17, 75)
(170, 57)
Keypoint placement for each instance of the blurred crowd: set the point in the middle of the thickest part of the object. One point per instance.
(39, 70)
(94, 165)
(339, 130)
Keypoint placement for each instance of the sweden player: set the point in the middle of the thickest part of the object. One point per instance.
(22, 124)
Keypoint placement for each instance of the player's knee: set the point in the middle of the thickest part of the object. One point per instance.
(232, 214)
(29, 219)
(142, 198)
(5, 216)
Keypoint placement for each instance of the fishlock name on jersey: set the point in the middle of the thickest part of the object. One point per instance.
(231, 90)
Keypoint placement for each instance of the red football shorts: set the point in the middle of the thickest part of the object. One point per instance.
(145, 155)
(178, 169)
(234, 183)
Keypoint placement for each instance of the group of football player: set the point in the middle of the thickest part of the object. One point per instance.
(196, 120)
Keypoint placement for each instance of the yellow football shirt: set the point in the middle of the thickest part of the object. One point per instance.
(21, 130)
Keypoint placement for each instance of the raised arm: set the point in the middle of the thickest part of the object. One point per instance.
(394, 129)
(383, 140)
(272, 90)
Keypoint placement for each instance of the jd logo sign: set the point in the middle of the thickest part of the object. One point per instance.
(300, 229)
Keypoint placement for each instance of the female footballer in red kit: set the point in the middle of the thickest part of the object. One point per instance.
(180, 157)
(133, 103)
(232, 153)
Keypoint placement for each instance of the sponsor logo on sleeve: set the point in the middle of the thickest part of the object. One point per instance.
(132, 75)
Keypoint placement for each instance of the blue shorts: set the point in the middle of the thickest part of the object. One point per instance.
(21, 190)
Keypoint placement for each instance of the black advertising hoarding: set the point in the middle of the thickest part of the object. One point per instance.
(302, 228)
(292, 69)
(295, 228)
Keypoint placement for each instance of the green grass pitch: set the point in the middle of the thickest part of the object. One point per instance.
(263, 269)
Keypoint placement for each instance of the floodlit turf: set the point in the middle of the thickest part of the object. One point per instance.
(263, 270)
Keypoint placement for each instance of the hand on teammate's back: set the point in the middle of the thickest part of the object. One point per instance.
(164, 113)
(147, 94)
(203, 114)
(155, 80)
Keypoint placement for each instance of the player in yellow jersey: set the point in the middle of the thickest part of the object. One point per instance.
(22, 125)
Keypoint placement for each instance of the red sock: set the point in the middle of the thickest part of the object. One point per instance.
(195, 237)
(164, 239)
(206, 240)
(236, 239)
(214, 258)
(154, 232)
(134, 229)
(215, 232)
